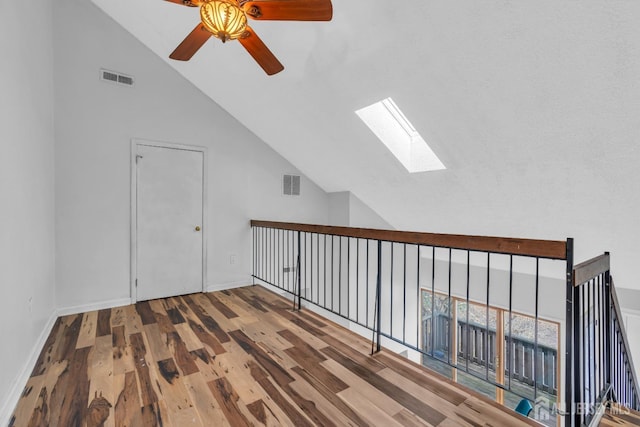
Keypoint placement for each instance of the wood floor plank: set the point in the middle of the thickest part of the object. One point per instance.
(422, 409)
(118, 316)
(277, 372)
(100, 368)
(104, 323)
(69, 338)
(41, 391)
(162, 318)
(294, 416)
(157, 341)
(367, 409)
(378, 398)
(49, 351)
(30, 401)
(122, 354)
(429, 382)
(203, 400)
(331, 396)
(188, 337)
(263, 414)
(206, 320)
(132, 321)
(151, 410)
(221, 307)
(234, 365)
(87, 334)
(205, 337)
(314, 398)
(226, 324)
(75, 401)
(127, 410)
(180, 408)
(228, 400)
(317, 371)
(408, 419)
(143, 308)
(184, 359)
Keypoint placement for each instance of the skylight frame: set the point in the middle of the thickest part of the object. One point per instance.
(385, 119)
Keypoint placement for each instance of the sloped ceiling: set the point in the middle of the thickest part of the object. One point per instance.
(533, 106)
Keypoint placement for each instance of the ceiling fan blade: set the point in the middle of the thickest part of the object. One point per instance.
(190, 3)
(191, 44)
(261, 53)
(289, 10)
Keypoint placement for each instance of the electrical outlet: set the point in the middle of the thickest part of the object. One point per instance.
(233, 258)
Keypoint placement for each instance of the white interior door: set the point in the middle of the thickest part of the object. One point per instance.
(169, 221)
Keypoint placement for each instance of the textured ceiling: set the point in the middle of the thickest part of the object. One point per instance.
(522, 101)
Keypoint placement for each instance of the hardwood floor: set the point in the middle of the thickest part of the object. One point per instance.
(618, 416)
(233, 358)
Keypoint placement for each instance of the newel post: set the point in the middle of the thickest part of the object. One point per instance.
(569, 340)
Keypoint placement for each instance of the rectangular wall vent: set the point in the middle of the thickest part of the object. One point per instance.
(291, 185)
(115, 77)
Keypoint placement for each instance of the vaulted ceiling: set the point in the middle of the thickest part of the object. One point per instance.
(532, 105)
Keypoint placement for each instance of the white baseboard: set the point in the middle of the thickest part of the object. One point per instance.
(21, 379)
(65, 311)
(229, 285)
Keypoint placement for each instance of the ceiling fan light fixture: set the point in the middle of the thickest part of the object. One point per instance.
(224, 19)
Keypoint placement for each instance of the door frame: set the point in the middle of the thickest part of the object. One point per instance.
(135, 142)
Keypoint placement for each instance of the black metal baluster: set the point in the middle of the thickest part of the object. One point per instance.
(378, 296)
(391, 292)
(449, 313)
(324, 270)
(535, 342)
(404, 295)
(509, 348)
(418, 299)
(357, 280)
(340, 274)
(433, 298)
(349, 278)
(468, 322)
(332, 274)
(367, 285)
(570, 337)
(485, 341)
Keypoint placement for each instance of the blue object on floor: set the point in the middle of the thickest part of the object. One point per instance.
(524, 407)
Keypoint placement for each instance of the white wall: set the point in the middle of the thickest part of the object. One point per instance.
(26, 190)
(361, 215)
(95, 122)
(339, 208)
(347, 210)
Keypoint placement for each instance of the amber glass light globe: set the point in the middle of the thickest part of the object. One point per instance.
(224, 19)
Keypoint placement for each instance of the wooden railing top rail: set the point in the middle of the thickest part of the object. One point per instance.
(591, 268)
(552, 249)
(623, 333)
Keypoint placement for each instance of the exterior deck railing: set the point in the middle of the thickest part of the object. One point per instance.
(374, 280)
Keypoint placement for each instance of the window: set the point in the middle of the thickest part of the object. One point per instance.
(390, 125)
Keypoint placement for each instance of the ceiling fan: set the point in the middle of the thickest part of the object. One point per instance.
(227, 20)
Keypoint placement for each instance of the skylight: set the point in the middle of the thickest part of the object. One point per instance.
(387, 122)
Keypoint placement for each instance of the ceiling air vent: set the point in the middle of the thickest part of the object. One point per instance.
(115, 77)
(291, 185)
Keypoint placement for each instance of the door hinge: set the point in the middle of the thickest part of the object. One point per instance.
(136, 283)
(138, 156)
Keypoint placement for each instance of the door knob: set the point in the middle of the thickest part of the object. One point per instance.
(197, 228)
